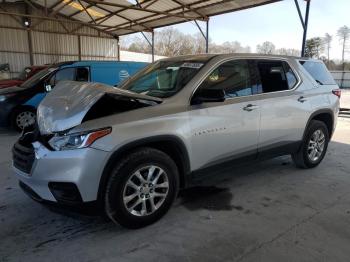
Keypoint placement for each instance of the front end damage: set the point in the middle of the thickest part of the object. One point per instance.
(43, 158)
(72, 103)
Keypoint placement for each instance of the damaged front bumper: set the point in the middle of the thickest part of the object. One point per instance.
(62, 176)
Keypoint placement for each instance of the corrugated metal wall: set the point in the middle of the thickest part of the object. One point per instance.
(96, 47)
(14, 48)
(52, 48)
(51, 42)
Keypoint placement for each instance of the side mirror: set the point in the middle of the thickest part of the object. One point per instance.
(209, 95)
(48, 87)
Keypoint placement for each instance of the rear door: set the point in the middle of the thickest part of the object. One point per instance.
(284, 109)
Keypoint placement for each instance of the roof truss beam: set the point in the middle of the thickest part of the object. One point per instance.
(179, 2)
(87, 12)
(111, 14)
(12, 16)
(136, 8)
(180, 8)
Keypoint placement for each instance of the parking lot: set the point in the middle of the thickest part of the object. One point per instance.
(267, 211)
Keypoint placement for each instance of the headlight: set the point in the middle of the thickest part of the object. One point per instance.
(4, 97)
(77, 140)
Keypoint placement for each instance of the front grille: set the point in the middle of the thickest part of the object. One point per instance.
(23, 152)
(23, 157)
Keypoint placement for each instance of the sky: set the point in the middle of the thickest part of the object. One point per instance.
(278, 23)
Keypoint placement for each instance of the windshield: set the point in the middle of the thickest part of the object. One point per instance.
(164, 78)
(35, 79)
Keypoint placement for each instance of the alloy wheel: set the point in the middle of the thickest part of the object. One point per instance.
(316, 145)
(145, 190)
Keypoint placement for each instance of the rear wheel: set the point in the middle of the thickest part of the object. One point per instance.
(314, 146)
(23, 117)
(141, 188)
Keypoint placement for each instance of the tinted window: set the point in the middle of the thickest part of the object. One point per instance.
(82, 74)
(273, 76)
(291, 78)
(65, 74)
(319, 72)
(233, 77)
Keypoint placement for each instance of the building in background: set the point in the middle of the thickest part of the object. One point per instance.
(49, 42)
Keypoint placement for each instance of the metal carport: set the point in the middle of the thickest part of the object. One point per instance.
(121, 17)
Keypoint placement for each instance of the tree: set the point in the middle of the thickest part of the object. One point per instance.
(327, 42)
(343, 35)
(288, 51)
(171, 42)
(314, 47)
(266, 48)
(229, 47)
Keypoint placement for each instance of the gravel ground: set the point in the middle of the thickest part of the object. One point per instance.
(267, 211)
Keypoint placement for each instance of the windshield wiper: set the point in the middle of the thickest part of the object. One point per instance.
(319, 82)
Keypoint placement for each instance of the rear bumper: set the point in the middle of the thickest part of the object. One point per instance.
(67, 177)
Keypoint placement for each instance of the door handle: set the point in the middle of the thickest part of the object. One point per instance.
(250, 107)
(302, 99)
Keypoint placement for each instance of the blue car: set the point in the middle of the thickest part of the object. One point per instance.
(18, 104)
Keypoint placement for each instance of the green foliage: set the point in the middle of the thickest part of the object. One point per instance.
(314, 47)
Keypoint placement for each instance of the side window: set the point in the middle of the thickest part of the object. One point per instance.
(82, 74)
(291, 77)
(319, 72)
(275, 76)
(233, 77)
(65, 74)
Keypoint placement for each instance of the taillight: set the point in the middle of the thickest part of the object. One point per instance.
(337, 92)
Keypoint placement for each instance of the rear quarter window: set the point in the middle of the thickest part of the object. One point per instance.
(319, 72)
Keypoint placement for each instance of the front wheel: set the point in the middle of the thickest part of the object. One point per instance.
(141, 188)
(314, 146)
(23, 117)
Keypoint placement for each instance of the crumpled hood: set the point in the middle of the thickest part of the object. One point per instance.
(68, 103)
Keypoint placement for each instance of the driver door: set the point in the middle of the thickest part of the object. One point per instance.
(223, 131)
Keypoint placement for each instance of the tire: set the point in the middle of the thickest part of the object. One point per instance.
(124, 174)
(21, 116)
(303, 158)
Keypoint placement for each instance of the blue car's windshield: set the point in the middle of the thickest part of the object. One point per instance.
(35, 79)
(164, 78)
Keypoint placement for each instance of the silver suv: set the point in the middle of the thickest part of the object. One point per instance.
(132, 148)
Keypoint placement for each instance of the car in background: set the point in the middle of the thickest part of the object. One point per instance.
(27, 73)
(18, 104)
(4, 71)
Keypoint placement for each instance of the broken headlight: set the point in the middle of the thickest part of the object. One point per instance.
(77, 140)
